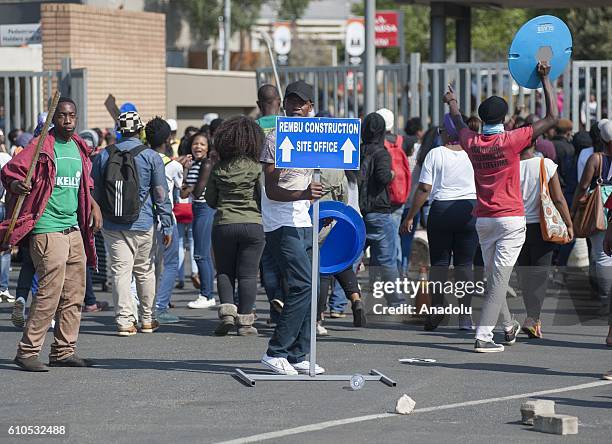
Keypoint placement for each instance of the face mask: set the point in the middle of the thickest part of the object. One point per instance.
(489, 130)
(311, 113)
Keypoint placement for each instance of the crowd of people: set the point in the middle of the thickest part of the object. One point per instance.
(132, 201)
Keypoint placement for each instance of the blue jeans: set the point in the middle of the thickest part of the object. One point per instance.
(406, 240)
(185, 238)
(27, 279)
(396, 216)
(90, 296)
(380, 237)
(291, 248)
(5, 259)
(169, 269)
(272, 280)
(203, 217)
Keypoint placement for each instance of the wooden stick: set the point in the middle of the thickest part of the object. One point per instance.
(28, 178)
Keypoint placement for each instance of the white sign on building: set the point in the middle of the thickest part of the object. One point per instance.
(20, 35)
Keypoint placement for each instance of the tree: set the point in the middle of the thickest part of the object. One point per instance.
(292, 10)
(592, 33)
(203, 17)
(244, 16)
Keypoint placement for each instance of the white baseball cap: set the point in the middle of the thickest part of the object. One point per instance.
(605, 128)
(209, 117)
(172, 123)
(388, 116)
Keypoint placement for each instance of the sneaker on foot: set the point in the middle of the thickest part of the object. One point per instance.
(279, 365)
(304, 368)
(487, 347)
(127, 330)
(165, 317)
(533, 329)
(510, 335)
(336, 314)
(149, 327)
(466, 323)
(277, 305)
(322, 331)
(202, 302)
(18, 314)
(6, 296)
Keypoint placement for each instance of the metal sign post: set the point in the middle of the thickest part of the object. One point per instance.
(317, 143)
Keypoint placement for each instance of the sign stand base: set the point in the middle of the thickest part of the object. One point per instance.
(250, 379)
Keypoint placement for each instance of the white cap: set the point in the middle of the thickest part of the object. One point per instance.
(209, 117)
(605, 128)
(172, 123)
(388, 116)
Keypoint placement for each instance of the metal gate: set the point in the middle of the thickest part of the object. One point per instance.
(25, 94)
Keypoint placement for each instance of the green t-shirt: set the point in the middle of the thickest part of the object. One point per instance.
(267, 123)
(61, 210)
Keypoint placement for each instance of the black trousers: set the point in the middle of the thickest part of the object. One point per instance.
(238, 249)
(451, 233)
(347, 280)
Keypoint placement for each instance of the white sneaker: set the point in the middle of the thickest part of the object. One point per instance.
(6, 296)
(202, 302)
(322, 331)
(304, 367)
(279, 365)
(18, 315)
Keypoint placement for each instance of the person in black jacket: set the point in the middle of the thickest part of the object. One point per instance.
(374, 203)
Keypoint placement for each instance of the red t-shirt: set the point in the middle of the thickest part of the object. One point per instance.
(497, 171)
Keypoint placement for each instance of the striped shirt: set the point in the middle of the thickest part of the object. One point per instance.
(192, 179)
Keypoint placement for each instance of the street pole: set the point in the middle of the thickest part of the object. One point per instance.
(370, 57)
(227, 18)
(404, 75)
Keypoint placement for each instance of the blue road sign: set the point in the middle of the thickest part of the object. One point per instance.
(317, 143)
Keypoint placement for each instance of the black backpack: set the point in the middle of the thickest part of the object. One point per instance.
(121, 186)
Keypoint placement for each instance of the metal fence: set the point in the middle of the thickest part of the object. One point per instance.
(25, 94)
(416, 89)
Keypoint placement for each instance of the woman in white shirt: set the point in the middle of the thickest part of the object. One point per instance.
(536, 255)
(447, 180)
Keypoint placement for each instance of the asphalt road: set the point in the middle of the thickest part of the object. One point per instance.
(177, 385)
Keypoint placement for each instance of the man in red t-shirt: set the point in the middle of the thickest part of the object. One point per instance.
(495, 156)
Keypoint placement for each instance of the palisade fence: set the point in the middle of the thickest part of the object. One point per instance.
(25, 94)
(416, 89)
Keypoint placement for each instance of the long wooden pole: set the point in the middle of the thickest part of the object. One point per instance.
(28, 178)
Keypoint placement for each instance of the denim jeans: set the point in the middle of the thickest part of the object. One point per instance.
(27, 279)
(5, 259)
(167, 259)
(272, 280)
(291, 247)
(406, 241)
(380, 237)
(185, 240)
(396, 216)
(203, 217)
(90, 296)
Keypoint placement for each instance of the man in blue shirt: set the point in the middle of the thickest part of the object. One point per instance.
(130, 246)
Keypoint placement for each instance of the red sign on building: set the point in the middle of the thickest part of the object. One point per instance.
(387, 29)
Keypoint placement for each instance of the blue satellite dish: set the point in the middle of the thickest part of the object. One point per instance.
(544, 38)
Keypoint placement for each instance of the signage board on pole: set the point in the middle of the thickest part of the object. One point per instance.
(317, 143)
(282, 38)
(387, 29)
(20, 35)
(355, 37)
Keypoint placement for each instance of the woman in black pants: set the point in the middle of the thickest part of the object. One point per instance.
(237, 236)
(447, 175)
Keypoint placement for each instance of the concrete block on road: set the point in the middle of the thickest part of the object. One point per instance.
(405, 405)
(535, 407)
(556, 424)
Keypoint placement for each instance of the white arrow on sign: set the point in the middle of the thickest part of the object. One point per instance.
(286, 148)
(348, 149)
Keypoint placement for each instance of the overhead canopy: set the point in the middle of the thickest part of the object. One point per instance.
(542, 4)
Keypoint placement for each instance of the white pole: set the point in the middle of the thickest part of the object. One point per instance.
(370, 57)
(227, 18)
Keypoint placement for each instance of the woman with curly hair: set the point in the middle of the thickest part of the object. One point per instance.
(237, 237)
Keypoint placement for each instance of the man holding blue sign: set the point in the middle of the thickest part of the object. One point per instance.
(288, 228)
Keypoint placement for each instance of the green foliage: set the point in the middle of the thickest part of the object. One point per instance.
(203, 17)
(493, 30)
(292, 10)
(592, 33)
(245, 13)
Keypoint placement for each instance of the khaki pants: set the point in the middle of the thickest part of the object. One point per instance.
(131, 253)
(60, 263)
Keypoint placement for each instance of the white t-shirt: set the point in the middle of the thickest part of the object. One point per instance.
(583, 157)
(449, 173)
(530, 186)
(4, 159)
(174, 177)
(284, 214)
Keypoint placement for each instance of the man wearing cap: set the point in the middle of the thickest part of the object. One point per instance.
(495, 156)
(58, 219)
(284, 208)
(130, 246)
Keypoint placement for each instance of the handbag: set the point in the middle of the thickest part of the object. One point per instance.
(551, 223)
(589, 216)
(183, 212)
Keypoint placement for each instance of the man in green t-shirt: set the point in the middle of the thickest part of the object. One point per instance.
(268, 101)
(65, 216)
